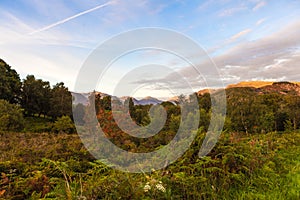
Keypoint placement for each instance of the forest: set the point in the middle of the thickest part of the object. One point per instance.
(257, 155)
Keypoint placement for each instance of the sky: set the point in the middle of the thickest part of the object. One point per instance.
(245, 39)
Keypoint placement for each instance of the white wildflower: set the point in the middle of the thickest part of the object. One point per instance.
(147, 187)
(160, 187)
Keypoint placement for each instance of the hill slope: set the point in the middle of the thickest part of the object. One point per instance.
(261, 87)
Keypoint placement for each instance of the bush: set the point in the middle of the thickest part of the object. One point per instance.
(64, 124)
(38, 125)
(11, 117)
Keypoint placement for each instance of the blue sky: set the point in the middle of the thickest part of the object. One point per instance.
(247, 39)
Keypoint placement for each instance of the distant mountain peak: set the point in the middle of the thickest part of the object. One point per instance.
(149, 97)
(147, 101)
(255, 84)
(259, 84)
(261, 87)
(283, 88)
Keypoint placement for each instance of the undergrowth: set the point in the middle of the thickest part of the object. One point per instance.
(57, 166)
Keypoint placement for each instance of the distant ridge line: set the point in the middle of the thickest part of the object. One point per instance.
(258, 84)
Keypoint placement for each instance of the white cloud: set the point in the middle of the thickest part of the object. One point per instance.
(232, 11)
(240, 34)
(259, 5)
(259, 22)
(48, 55)
(57, 54)
(275, 56)
(28, 61)
(229, 41)
(269, 57)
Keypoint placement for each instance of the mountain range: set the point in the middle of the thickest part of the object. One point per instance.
(83, 98)
(260, 87)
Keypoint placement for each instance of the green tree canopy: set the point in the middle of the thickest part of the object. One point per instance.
(10, 83)
(35, 96)
(60, 101)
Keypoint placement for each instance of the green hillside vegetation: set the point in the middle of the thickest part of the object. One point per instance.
(42, 157)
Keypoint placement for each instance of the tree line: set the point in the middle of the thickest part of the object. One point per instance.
(35, 96)
(247, 110)
(30, 97)
(252, 112)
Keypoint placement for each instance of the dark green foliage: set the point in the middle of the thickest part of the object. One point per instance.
(10, 83)
(253, 112)
(64, 124)
(11, 117)
(38, 98)
(61, 101)
(205, 102)
(292, 108)
(38, 125)
(35, 96)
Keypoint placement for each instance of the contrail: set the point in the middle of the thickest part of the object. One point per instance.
(70, 18)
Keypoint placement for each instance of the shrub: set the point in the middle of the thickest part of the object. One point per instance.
(64, 124)
(11, 117)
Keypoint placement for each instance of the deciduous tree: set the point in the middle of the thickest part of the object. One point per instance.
(10, 83)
